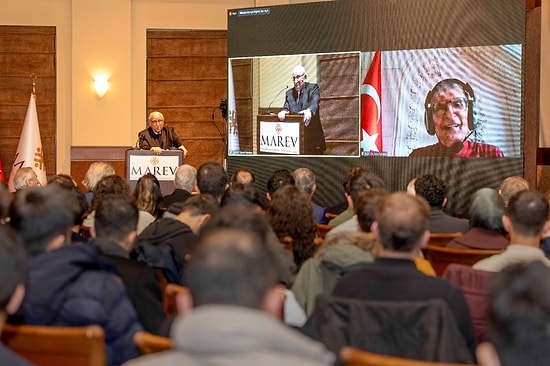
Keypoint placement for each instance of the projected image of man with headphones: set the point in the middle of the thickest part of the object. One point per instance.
(450, 115)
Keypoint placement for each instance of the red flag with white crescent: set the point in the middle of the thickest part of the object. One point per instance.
(371, 101)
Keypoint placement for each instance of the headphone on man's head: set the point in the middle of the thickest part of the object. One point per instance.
(469, 93)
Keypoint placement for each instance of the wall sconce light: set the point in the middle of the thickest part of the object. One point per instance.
(101, 85)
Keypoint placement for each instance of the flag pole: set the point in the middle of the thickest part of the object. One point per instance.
(33, 77)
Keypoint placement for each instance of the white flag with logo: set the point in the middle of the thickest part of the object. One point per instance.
(233, 135)
(29, 151)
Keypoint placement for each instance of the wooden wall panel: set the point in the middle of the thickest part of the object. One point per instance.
(186, 81)
(25, 50)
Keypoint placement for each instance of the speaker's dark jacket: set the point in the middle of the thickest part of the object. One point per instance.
(167, 139)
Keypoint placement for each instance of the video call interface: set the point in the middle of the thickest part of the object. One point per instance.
(403, 88)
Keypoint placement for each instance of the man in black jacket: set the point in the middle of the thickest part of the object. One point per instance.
(114, 236)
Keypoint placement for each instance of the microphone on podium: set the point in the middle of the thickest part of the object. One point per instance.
(279, 93)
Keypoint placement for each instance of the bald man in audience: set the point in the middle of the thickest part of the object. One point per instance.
(401, 225)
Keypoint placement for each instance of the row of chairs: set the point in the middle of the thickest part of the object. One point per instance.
(84, 346)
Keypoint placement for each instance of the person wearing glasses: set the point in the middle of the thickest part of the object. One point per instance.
(450, 115)
(304, 99)
(158, 137)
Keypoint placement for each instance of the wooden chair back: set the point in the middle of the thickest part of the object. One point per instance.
(169, 298)
(57, 346)
(323, 229)
(353, 357)
(149, 343)
(441, 257)
(442, 239)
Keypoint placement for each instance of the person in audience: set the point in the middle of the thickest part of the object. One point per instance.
(64, 180)
(511, 186)
(410, 187)
(486, 230)
(148, 195)
(291, 217)
(360, 182)
(526, 219)
(95, 173)
(67, 182)
(433, 190)
(12, 286)
(343, 210)
(518, 317)
(111, 184)
(336, 257)
(244, 176)
(114, 236)
(185, 182)
(244, 193)
(212, 179)
(367, 204)
(243, 216)
(158, 137)
(278, 179)
(68, 285)
(229, 314)
(401, 226)
(305, 179)
(24, 178)
(176, 237)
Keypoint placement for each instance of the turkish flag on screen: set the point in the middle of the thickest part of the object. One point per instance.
(371, 100)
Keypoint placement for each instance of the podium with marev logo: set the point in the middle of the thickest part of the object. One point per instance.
(280, 137)
(163, 166)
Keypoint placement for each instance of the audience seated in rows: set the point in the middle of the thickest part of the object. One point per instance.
(401, 225)
(231, 308)
(94, 174)
(115, 234)
(12, 285)
(518, 317)
(185, 182)
(305, 179)
(486, 229)
(433, 190)
(69, 285)
(359, 182)
(290, 215)
(526, 219)
(336, 257)
(212, 179)
(168, 242)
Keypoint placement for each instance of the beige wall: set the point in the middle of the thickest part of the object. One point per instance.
(108, 36)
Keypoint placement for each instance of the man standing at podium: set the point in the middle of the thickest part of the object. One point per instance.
(158, 137)
(304, 99)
